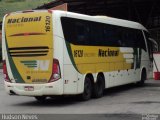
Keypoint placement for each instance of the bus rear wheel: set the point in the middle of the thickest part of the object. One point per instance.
(98, 87)
(86, 95)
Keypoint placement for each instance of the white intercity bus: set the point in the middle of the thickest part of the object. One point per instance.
(49, 53)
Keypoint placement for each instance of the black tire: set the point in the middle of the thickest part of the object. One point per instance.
(40, 98)
(86, 95)
(98, 87)
(143, 78)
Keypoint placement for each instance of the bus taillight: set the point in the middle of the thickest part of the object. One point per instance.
(5, 73)
(56, 74)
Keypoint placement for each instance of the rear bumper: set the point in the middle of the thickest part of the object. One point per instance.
(54, 88)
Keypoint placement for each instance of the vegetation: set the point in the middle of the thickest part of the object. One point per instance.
(7, 6)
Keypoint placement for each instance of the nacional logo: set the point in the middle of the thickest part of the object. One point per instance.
(108, 53)
(24, 19)
(42, 65)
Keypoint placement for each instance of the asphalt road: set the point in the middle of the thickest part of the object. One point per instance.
(129, 101)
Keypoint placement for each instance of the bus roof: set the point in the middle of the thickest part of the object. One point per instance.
(104, 19)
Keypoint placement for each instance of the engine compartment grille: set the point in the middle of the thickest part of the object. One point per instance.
(28, 51)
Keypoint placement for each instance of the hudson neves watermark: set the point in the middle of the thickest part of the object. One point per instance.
(150, 117)
(19, 117)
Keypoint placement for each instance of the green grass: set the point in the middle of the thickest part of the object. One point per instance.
(7, 6)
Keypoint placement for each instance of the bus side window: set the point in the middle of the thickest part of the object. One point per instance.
(128, 38)
(68, 34)
(82, 33)
(96, 34)
(111, 36)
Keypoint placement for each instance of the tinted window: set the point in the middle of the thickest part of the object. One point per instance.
(96, 34)
(83, 32)
(112, 36)
(139, 39)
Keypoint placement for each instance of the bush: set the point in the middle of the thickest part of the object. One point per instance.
(14, 0)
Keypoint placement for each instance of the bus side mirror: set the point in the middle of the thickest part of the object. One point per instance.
(154, 45)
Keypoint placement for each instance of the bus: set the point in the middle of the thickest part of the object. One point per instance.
(54, 53)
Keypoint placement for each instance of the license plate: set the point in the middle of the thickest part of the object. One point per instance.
(28, 88)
